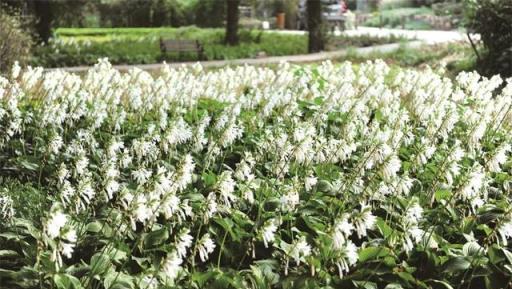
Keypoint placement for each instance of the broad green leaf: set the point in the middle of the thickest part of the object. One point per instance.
(66, 281)
(442, 195)
(156, 238)
(456, 264)
(442, 283)
(8, 253)
(99, 263)
(393, 286)
(384, 228)
(94, 227)
(370, 253)
(365, 285)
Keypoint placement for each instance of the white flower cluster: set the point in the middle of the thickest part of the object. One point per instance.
(295, 161)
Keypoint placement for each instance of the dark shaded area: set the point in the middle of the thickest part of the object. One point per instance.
(316, 37)
(493, 21)
(232, 18)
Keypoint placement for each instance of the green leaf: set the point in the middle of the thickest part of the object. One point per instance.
(8, 253)
(372, 253)
(442, 195)
(99, 264)
(156, 238)
(456, 264)
(209, 179)
(94, 227)
(393, 286)
(442, 283)
(365, 285)
(324, 186)
(384, 228)
(227, 225)
(65, 281)
(31, 166)
(507, 254)
(117, 280)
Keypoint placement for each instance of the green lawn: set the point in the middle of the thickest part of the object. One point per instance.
(456, 57)
(83, 46)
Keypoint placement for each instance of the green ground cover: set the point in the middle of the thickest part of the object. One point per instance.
(392, 18)
(83, 46)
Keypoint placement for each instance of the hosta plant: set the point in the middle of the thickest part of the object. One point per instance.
(327, 176)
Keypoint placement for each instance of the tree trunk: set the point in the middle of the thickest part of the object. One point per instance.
(316, 37)
(232, 22)
(44, 15)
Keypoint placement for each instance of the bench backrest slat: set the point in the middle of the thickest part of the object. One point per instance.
(180, 45)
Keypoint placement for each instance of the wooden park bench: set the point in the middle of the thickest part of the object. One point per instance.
(180, 46)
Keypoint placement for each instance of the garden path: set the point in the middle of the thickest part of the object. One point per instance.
(427, 36)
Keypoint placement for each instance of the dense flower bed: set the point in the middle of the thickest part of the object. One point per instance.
(295, 177)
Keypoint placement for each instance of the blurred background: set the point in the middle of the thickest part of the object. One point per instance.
(62, 33)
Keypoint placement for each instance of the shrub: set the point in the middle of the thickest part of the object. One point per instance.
(492, 19)
(393, 18)
(15, 42)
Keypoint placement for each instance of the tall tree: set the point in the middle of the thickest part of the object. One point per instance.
(232, 22)
(44, 14)
(316, 37)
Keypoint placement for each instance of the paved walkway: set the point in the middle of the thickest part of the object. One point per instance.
(427, 36)
(301, 58)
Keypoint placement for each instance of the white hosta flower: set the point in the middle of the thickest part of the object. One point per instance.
(6, 208)
(230, 134)
(142, 212)
(172, 266)
(364, 221)
(141, 175)
(474, 184)
(390, 168)
(268, 231)
(211, 206)
(414, 214)
(186, 172)
(505, 231)
(290, 199)
(149, 282)
(67, 250)
(112, 187)
(15, 70)
(81, 165)
(183, 242)
(62, 173)
(310, 182)
(348, 257)
(126, 159)
(342, 230)
(205, 247)
(299, 249)
(178, 134)
(55, 144)
(499, 158)
(55, 223)
(226, 187)
(68, 245)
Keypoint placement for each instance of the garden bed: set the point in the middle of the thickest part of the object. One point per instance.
(324, 176)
